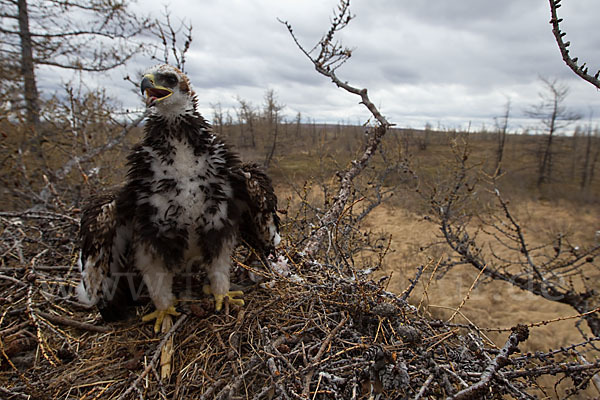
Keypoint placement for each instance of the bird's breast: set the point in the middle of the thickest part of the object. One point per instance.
(188, 188)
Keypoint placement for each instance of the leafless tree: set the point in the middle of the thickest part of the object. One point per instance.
(423, 140)
(592, 152)
(554, 117)
(298, 127)
(502, 128)
(495, 243)
(81, 35)
(313, 131)
(247, 118)
(218, 117)
(272, 118)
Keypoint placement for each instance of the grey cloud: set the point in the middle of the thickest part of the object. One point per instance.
(435, 60)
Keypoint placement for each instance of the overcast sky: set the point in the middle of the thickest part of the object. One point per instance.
(438, 61)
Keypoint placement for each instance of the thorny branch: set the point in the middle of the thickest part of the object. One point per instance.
(580, 70)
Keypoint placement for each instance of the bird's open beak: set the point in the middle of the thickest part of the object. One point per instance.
(153, 93)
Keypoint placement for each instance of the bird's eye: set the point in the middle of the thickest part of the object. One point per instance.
(170, 79)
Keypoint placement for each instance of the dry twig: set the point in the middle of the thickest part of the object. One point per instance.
(580, 70)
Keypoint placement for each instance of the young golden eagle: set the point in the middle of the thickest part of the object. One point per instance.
(187, 198)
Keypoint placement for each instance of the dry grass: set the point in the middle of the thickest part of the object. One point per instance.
(494, 304)
(307, 331)
(320, 333)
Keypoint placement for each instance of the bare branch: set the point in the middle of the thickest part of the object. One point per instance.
(155, 357)
(331, 55)
(68, 166)
(70, 322)
(169, 35)
(520, 334)
(544, 270)
(580, 70)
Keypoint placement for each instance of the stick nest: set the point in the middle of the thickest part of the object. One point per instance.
(307, 331)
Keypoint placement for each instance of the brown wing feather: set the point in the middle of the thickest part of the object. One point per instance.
(96, 234)
(105, 259)
(260, 188)
(259, 222)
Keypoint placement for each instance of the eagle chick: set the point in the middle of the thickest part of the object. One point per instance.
(187, 198)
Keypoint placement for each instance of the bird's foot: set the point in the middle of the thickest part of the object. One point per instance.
(219, 298)
(159, 316)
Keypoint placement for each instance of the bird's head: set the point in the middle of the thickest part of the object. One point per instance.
(167, 91)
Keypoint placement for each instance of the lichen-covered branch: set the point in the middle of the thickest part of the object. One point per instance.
(520, 334)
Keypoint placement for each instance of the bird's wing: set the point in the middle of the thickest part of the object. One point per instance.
(105, 259)
(260, 188)
(259, 225)
(96, 233)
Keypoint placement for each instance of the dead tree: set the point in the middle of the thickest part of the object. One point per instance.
(82, 35)
(554, 117)
(502, 128)
(247, 118)
(580, 70)
(298, 128)
(557, 270)
(218, 117)
(423, 141)
(272, 118)
(170, 37)
(327, 56)
(30, 91)
(592, 150)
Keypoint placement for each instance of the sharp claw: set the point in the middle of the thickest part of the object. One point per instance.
(219, 301)
(159, 316)
(233, 300)
(219, 298)
(237, 302)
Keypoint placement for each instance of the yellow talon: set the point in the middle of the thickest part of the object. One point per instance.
(159, 316)
(219, 298)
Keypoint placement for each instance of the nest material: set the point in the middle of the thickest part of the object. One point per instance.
(307, 331)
